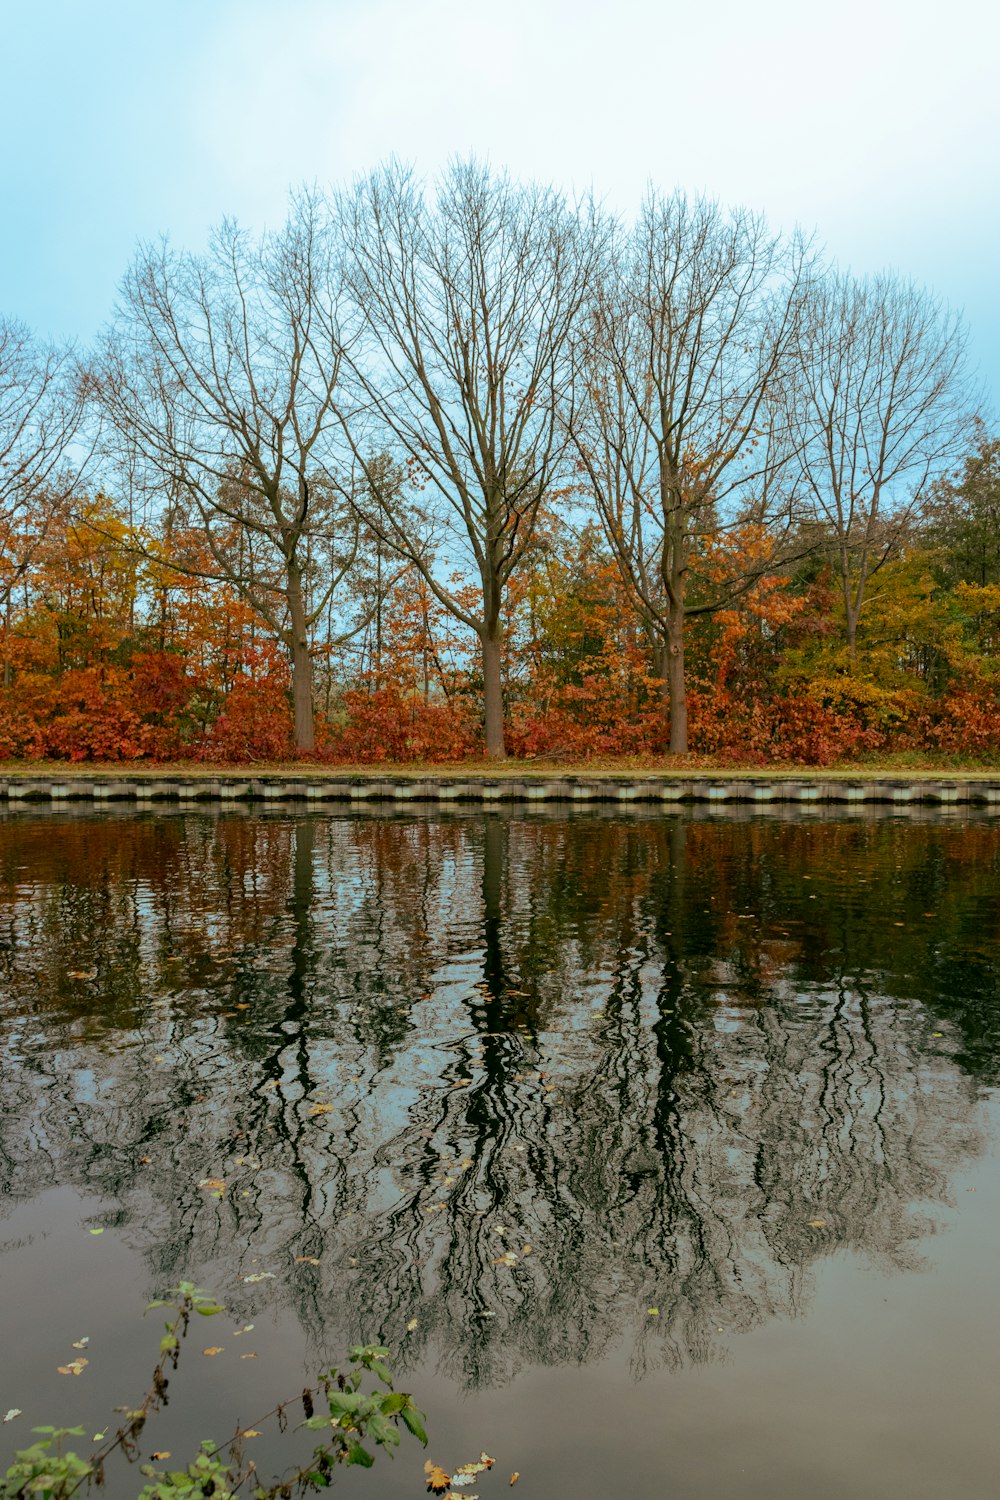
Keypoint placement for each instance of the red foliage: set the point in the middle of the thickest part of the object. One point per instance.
(966, 722)
(385, 725)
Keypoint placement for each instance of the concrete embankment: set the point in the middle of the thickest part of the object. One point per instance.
(702, 790)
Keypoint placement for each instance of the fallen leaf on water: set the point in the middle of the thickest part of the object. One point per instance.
(465, 1163)
(247, 1328)
(75, 1367)
(214, 1349)
(413, 1323)
(937, 1033)
(15, 1411)
(81, 973)
(250, 1432)
(81, 1343)
(652, 1312)
(95, 1231)
(259, 1276)
(461, 1083)
(248, 1356)
(215, 1184)
(509, 1259)
(99, 1437)
(466, 1473)
(816, 1223)
(306, 1260)
(160, 1454)
(514, 1477)
(144, 1161)
(525, 1249)
(321, 1109)
(437, 1479)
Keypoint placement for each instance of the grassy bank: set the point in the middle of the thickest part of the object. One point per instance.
(910, 765)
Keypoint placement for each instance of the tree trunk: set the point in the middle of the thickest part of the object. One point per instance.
(492, 695)
(302, 664)
(677, 688)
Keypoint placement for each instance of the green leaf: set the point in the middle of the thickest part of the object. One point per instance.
(358, 1455)
(415, 1420)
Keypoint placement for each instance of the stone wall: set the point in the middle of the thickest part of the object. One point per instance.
(844, 792)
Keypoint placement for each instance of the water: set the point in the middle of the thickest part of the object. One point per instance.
(740, 1072)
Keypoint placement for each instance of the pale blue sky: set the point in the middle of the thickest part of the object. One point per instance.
(876, 122)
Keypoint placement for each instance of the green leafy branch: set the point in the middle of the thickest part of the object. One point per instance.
(351, 1417)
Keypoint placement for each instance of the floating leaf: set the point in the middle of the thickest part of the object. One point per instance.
(250, 1432)
(816, 1223)
(95, 1231)
(247, 1328)
(248, 1356)
(413, 1323)
(466, 1473)
(514, 1477)
(160, 1454)
(510, 1259)
(437, 1479)
(652, 1312)
(214, 1349)
(215, 1184)
(81, 1343)
(15, 1411)
(321, 1109)
(306, 1260)
(259, 1276)
(81, 974)
(75, 1367)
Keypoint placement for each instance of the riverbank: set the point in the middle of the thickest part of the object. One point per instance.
(508, 782)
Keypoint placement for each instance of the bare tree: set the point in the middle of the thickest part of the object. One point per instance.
(883, 406)
(466, 306)
(682, 433)
(220, 373)
(40, 416)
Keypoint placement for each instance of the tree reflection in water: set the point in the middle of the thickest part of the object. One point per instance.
(519, 1079)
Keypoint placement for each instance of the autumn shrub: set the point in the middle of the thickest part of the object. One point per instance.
(387, 725)
(965, 721)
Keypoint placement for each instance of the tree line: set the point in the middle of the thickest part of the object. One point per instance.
(436, 469)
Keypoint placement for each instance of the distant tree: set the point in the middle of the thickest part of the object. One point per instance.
(41, 409)
(680, 426)
(466, 303)
(882, 408)
(964, 514)
(219, 377)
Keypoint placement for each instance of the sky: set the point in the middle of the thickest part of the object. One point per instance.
(874, 123)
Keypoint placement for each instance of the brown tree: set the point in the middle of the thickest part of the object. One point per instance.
(680, 430)
(883, 405)
(220, 373)
(466, 304)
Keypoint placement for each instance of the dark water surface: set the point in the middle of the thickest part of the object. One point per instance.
(743, 1072)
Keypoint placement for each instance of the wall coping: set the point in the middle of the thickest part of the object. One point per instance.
(657, 788)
